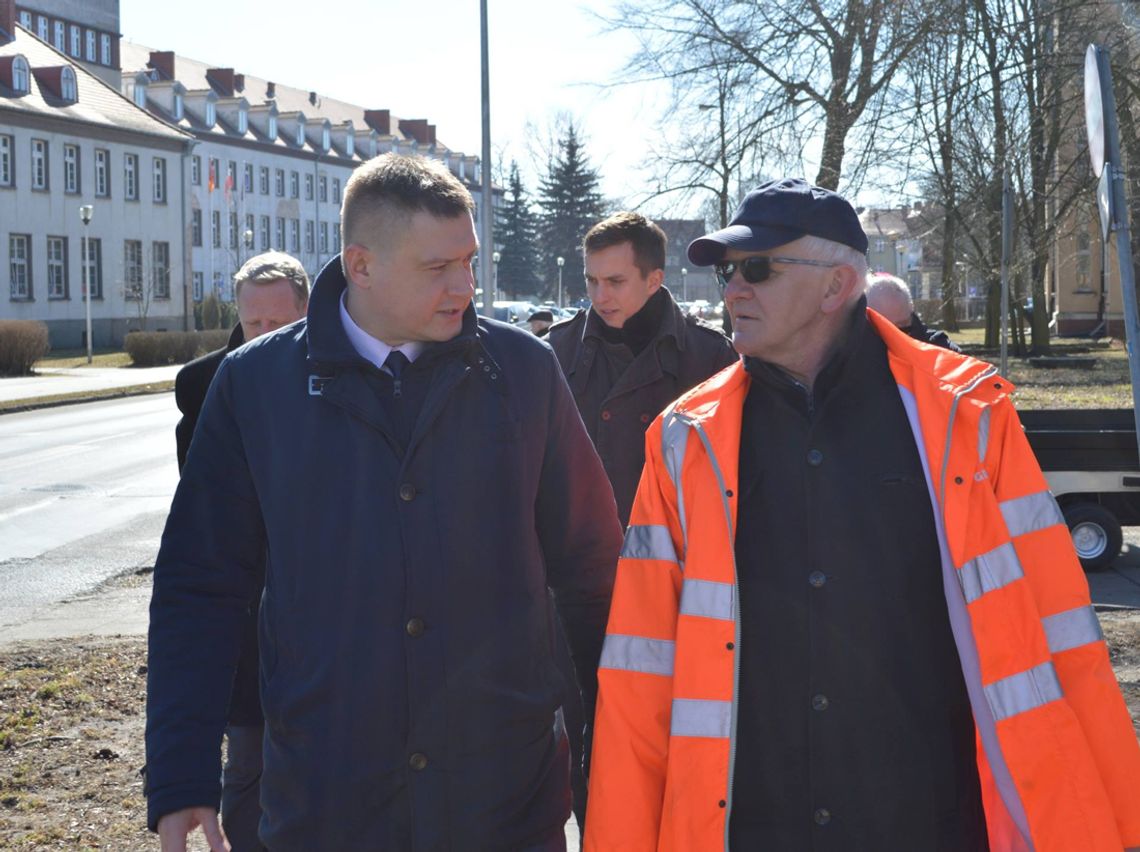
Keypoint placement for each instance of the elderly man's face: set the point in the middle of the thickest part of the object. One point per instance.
(893, 306)
(772, 319)
(268, 306)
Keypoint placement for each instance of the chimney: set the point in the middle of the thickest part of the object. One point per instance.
(161, 61)
(7, 20)
(313, 98)
(379, 120)
(270, 90)
(239, 82)
(222, 79)
(431, 134)
(417, 128)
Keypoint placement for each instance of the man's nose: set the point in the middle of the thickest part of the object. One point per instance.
(737, 288)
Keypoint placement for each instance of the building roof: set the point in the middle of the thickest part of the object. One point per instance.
(195, 77)
(97, 103)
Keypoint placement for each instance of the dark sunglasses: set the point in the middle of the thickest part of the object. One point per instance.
(757, 270)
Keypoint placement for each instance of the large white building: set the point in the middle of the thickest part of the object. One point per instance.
(68, 139)
(269, 162)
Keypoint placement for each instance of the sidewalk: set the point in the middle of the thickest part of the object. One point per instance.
(93, 381)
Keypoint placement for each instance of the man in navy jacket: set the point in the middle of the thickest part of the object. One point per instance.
(418, 477)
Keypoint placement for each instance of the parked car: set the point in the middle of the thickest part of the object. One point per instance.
(514, 312)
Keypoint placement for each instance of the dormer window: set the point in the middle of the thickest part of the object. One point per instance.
(272, 128)
(211, 114)
(68, 87)
(21, 77)
(300, 135)
(243, 122)
(325, 139)
(140, 96)
(349, 145)
(178, 107)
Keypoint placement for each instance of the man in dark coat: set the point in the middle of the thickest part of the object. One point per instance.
(890, 296)
(271, 291)
(634, 351)
(627, 357)
(415, 478)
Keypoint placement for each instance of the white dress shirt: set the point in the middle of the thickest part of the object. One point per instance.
(371, 348)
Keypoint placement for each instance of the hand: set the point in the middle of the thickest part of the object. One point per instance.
(174, 828)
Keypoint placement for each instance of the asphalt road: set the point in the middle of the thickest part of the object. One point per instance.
(84, 492)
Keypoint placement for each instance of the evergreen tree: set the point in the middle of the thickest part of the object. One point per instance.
(571, 205)
(516, 231)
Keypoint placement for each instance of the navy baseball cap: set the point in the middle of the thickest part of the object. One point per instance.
(777, 213)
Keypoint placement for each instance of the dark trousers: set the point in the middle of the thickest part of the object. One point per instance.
(241, 787)
(574, 717)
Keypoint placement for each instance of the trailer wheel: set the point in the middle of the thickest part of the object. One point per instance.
(1096, 534)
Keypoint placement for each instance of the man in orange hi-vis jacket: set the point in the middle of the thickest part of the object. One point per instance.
(848, 614)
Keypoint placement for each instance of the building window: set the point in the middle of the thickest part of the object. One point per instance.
(231, 176)
(243, 122)
(264, 233)
(102, 172)
(71, 169)
(178, 106)
(212, 180)
(140, 96)
(39, 164)
(105, 49)
(20, 266)
(94, 267)
(247, 178)
(42, 27)
(216, 228)
(76, 42)
(308, 187)
(250, 224)
(233, 217)
(7, 178)
(279, 243)
(196, 228)
(196, 170)
(60, 37)
(336, 236)
(21, 76)
(91, 45)
(159, 180)
(219, 285)
(272, 134)
(263, 180)
(198, 287)
(26, 20)
(323, 188)
(336, 190)
(294, 185)
(57, 267)
(309, 239)
(279, 182)
(160, 270)
(324, 237)
(211, 114)
(131, 177)
(68, 88)
(132, 270)
(295, 235)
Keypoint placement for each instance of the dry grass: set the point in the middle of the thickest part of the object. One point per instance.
(77, 358)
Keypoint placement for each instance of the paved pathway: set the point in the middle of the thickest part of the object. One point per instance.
(55, 381)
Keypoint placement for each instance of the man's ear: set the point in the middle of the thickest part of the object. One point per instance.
(655, 278)
(839, 288)
(359, 263)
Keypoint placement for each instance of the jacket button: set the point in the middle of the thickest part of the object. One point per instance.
(407, 492)
(814, 458)
(817, 579)
(819, 702)
(822, 816)
(606, 415)
(418, 761)
(415, 627)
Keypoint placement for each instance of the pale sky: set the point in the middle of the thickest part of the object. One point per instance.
(421, 60)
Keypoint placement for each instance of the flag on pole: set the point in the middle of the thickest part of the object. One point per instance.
(229, 189)
(212, 182)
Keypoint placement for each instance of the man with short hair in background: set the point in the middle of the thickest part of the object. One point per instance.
(890, 296)
(416, 479)
(271, 291)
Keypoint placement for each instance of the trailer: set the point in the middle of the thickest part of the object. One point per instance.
(1089, 457)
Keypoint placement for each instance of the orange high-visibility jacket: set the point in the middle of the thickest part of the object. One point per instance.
(1057, 756)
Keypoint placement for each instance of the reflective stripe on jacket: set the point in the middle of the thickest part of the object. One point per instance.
(1057, 756)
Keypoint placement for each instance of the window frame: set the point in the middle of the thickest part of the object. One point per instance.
(58, 289)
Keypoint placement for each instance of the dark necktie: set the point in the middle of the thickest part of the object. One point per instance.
(396, 362)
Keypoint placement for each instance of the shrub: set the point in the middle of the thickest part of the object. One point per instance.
(22, 343)
(158, 348)
(211, 315)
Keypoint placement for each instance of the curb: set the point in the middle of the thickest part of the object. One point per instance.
(32, 403)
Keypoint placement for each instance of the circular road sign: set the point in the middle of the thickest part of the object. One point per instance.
(1094, 109)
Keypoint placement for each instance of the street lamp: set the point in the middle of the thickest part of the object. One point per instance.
(86, 211)
(561, 261)
(247, 235)
(684, 284)
(495, 256)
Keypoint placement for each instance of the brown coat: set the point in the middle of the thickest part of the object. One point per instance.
(684, 352)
